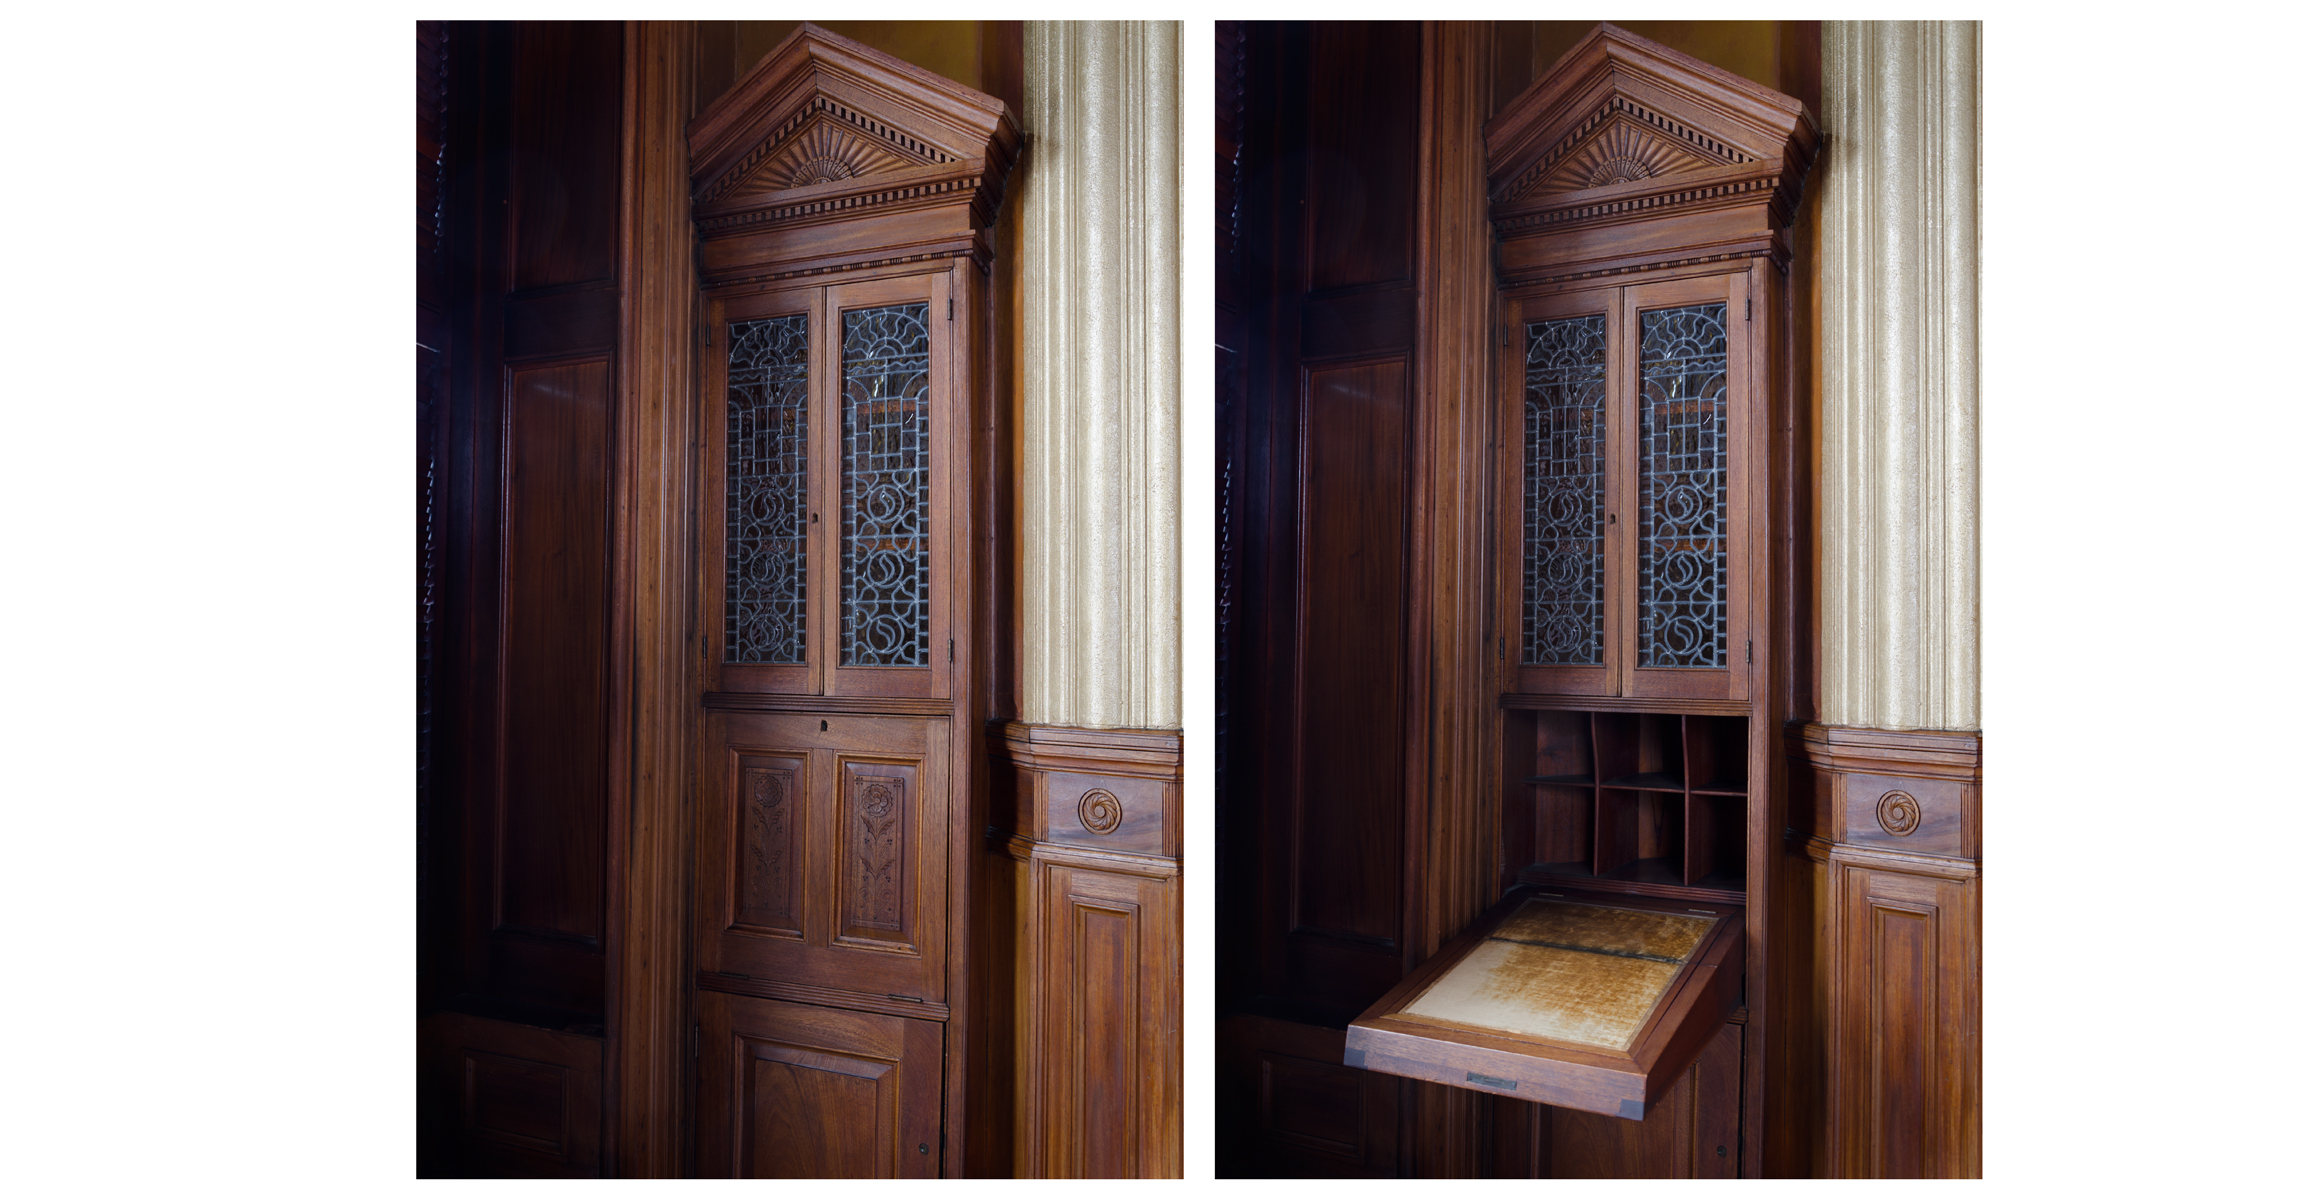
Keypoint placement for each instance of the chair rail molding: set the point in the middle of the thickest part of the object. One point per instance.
(1899, 375)
(1100, 368)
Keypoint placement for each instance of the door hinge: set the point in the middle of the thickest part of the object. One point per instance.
(706, 336)
(1749, 651)
(1748, 306)
(954, 649)
(950, 308)
(695, 1040)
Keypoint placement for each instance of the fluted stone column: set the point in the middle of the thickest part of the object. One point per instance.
(1100, 374)
(1898, 263)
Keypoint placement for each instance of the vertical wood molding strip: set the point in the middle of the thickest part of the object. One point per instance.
(648, 1025)
(1899, 488)
(1100, 190)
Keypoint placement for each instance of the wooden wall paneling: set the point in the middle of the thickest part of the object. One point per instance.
(530, 696)
(1344, 873)
(506, 1099)
(1896, 968)
(548, 903)
(1096, 835)
(795, 1091)
(560, 234)
(1906, 1033)
(1108, 1086)
(1308, 1115)
(431, 371)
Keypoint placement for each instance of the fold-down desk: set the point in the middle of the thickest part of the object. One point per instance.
(1593, 1002)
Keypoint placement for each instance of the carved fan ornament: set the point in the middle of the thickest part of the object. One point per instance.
(1622, 152)
(825, 150)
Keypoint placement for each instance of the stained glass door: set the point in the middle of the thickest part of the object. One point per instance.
(766, 363)
(1557, 376)
(886, 399)
(1686, 355)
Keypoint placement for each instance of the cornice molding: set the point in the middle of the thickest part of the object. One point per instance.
(1149, 753)
(1930, 754)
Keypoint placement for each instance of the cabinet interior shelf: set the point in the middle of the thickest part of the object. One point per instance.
(1604, 801)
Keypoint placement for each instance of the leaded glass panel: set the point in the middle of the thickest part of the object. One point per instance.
(883, 500)
(1564, 494)
(1681, 487)
(767, 490)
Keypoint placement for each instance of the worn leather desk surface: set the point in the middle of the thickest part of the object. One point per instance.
(1557, 970)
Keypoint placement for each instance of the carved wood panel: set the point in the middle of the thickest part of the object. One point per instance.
(769, 849)
(826, 863)
(877, 803)
(795, 1091)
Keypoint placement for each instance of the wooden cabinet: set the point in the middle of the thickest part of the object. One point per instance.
(845, 202)
(1641, 204)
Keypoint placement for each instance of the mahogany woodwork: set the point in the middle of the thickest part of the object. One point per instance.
(502, 1098)
(522, 809)
(1692, 1132)
(838, 881)
(793, 1091)
(1303, 1113)
(1096, 845)
(1699, 210)
(1892, 867)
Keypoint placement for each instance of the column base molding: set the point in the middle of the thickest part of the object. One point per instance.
(1094, 833)
(1889, 875)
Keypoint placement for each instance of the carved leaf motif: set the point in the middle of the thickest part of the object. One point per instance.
(878, 850)
(766, 898)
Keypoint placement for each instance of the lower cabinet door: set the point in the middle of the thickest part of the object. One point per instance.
(795, 1091)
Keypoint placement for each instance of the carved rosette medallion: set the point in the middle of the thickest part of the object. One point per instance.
(1898, 813)
(1100, 812)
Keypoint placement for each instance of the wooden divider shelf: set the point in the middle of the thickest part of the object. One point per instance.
(1628, 801)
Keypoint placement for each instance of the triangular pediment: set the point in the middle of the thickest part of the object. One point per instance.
(820, 110)
(1619, 109)
(824, 143)
(1622, 143)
